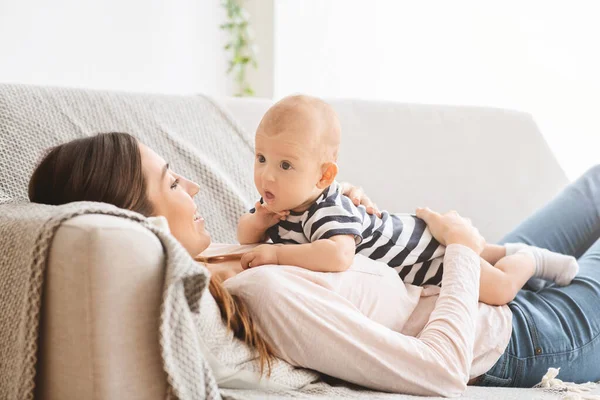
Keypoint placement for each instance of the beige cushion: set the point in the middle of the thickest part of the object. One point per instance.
(101, 312)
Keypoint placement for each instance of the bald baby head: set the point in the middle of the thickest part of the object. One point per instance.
(307, 119)
(296, 148)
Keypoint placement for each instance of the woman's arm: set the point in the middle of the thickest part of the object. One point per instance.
(311, 326)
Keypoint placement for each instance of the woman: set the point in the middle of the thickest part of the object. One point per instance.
(448, 338)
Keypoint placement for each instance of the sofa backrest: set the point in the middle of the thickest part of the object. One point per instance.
(491, 165)
(190, 132)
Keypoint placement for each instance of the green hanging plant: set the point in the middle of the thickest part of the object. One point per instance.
(240, 45)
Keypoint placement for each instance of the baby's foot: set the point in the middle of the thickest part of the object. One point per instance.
(549, 265)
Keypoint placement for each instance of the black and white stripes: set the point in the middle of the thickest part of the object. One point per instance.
(400, 240)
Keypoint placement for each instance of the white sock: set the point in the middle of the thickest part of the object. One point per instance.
(512, 248)
(549, 265)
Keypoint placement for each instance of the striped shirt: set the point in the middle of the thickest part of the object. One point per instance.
(402, 241)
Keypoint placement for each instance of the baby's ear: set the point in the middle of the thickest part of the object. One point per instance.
(330, 171)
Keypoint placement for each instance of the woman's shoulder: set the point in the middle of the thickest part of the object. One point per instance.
(219, 249)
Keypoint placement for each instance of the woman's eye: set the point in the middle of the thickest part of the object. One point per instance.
(286, 165)
(175, 184)
(261, 158)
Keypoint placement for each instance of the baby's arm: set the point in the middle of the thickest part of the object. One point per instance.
(252, 226)
(333, 230)
(334, 254)
(250, 230)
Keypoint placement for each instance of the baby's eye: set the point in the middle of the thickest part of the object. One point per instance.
(175, 184)
(261, 158)
(286, 165)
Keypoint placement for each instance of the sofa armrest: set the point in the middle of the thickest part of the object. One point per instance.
(100, 314)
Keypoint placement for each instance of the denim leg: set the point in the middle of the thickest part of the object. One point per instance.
(557, 327)
(570, 223)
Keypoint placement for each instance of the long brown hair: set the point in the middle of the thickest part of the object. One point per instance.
(108, 168)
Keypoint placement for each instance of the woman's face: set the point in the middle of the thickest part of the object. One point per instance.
(172, 197)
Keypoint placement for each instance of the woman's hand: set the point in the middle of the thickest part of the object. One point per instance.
(451, 228)
(358, 197)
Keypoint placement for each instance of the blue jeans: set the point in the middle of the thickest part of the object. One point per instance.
(558, 326)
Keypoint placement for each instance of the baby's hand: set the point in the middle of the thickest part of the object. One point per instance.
(266, 217)
(260, 255)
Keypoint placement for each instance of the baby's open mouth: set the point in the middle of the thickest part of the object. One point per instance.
(269, 197)
(197, 216)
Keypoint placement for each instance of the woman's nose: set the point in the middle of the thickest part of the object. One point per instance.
(192, 187)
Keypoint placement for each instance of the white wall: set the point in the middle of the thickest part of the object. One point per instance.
(536, 56)
(139, 45)
(262, 24)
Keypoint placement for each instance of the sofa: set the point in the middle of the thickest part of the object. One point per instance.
(102, 292)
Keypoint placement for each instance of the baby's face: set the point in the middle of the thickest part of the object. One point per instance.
(287, 169)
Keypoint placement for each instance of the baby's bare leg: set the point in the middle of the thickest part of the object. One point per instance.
(500, 283)
(492, 253)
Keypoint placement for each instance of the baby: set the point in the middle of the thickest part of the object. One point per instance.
(295, 168)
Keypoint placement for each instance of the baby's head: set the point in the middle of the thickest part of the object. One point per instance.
(296, 144)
